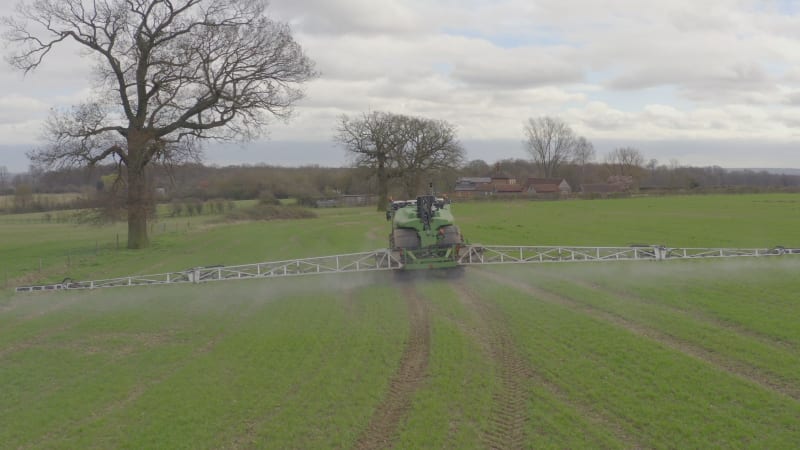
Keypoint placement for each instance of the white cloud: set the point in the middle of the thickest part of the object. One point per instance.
(720, 70)
(20, 132)
(348, 17)
(15, 107)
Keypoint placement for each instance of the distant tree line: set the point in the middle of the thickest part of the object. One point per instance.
(391, 155)
(653, 176)
(186, 186)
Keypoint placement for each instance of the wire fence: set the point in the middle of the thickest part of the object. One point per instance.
(55, 266)
(78, 219)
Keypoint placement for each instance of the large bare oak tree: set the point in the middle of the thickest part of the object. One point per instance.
(370, 140)
(169, 73)
(430, 147)
(401, 147)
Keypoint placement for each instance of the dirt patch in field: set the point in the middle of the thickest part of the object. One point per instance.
(411, 374)
(736, 368)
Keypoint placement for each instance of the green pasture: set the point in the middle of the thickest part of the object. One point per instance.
(678, 354)
(47, 252)
(658, 374)
(687, 221)
(213, 366)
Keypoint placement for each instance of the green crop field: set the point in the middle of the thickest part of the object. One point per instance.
(678, 354)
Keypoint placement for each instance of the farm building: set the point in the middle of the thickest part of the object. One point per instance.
(502, 179)
(499, 183)
(507, 189)
(548, 186)
(544, 191)
(502, 184)
(470, 184)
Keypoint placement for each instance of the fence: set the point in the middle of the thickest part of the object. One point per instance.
(18, 265)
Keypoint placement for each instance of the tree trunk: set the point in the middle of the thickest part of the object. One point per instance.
(137, 208)
(138, 200)
(548, 169)
(383, 185)
(411, 184)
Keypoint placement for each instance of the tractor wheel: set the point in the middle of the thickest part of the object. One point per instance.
(402, 238)
(451, 235)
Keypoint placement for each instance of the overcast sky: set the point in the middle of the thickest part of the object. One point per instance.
(715, 82)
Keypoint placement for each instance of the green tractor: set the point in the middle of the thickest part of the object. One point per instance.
(423, 233)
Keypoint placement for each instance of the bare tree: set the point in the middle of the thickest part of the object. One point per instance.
(4, 178)
(431, 146)
(399, 147)
(652, 165)
(625, 161)
(584, 151)
(371, 140)
(476, 168)
(169, 74)
(551, 142)
(582, 156)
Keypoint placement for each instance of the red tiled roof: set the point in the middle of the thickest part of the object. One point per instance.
(555, 181)
(508, 188)
(544, 188)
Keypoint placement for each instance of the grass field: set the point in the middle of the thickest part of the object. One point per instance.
(85, 252)
(681, 354)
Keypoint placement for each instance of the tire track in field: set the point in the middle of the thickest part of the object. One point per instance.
(412, 372)
(691, 313)
(509, 415)
(731, 366)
